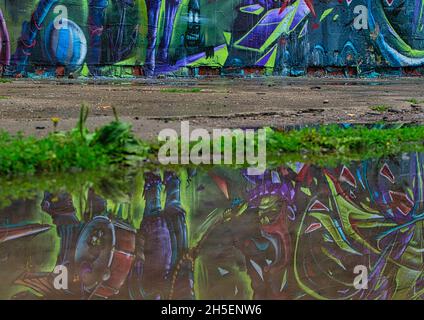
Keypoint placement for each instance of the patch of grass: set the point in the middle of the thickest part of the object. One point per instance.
(380, 108)
(180, 90)
(5, 80)
(414, 101)
(331, 145)
(115, 146)
(3, 97)
(78, 149)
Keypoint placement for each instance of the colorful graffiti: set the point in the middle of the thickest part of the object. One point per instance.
(153, 37)
(296, 232)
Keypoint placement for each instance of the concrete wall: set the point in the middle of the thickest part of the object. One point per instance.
(47, 38)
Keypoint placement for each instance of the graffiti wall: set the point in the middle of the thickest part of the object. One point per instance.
(296, 232)
(185, 37)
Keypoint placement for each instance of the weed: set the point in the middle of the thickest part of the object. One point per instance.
(415, 101)
(380, 108)
(181, 90)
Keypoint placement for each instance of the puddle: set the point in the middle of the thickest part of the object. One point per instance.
(296, 232)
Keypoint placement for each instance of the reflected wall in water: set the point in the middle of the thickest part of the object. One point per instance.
(297, 232)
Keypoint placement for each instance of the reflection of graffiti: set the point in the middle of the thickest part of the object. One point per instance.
(118, 37)
(369, 215)
(296, 232)
(104, 252)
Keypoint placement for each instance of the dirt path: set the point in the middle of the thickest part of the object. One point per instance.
(28, 105)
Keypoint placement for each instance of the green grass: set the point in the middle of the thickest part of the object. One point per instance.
(5, 80)
(380, 108)
(414, 101)
(330, 145)
(115, 146)
(181, 90)
(78, 149)
(3, 97)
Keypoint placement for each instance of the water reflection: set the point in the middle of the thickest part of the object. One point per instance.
(296, 232)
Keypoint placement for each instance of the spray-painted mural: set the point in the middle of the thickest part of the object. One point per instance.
(296, 232)
(153, 37)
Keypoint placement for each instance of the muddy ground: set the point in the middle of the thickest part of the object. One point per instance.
(28, 105)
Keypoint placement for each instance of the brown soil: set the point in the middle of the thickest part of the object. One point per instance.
(29, 105)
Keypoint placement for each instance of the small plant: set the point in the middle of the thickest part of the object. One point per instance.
(55, 121)
(413, 101)
(380, 108)
(181, 90)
